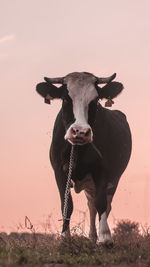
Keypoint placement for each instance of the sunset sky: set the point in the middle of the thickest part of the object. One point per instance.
(52, 38)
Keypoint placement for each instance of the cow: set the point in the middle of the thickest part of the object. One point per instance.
(101, 139)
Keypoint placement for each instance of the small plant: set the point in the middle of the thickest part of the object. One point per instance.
(126, 231)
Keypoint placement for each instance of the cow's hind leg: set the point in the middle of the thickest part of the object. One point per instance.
(111, 188)
(104, 231)
(92, 211)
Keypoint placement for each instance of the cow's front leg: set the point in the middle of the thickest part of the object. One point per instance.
(66, 222)
(61, 180)
(104, 235)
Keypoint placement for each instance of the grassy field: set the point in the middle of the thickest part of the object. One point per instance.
(131, 246)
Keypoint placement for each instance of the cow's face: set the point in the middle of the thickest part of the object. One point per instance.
(76, 107)
(80, 94)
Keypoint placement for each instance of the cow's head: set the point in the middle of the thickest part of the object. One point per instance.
(80, 93)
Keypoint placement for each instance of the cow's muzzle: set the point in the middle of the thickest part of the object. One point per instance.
(78, 135)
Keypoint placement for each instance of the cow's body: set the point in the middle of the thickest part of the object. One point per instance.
(98, 163)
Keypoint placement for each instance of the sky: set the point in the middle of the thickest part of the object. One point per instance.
(53, 38)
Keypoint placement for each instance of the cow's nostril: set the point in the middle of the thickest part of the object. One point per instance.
(73, 131)
(80, 133)
(87, 132)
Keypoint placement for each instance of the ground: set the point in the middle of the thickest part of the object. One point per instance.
(131, 248)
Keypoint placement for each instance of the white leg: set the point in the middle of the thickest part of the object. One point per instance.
(104, 236)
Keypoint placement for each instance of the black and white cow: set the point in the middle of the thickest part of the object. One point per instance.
(101, 140)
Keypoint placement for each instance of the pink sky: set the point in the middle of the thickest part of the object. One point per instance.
(53, 38)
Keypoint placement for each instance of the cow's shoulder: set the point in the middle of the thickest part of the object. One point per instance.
(109, 125)
(119, 114)
(110, 116)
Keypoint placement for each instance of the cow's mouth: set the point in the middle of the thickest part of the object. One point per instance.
(78, 141)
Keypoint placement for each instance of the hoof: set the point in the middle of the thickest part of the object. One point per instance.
(107, 244)
(65, 235)
(93, 237)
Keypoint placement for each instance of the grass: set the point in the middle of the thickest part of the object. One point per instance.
(131, 246)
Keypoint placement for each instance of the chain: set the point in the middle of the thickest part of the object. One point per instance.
(67, 191)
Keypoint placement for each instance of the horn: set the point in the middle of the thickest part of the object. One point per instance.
(54, 80)
(107, 79)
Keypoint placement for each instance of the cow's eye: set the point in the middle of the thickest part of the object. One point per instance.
(94, 101)
(65, 101)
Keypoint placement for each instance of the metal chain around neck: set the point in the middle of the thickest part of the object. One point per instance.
(67, 191)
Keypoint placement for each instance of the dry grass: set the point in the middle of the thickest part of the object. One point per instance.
(34, 249)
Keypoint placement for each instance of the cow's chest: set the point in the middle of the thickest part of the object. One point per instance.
(86, 161)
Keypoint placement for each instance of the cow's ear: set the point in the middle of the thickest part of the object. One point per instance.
(49, 91)
(110, 90)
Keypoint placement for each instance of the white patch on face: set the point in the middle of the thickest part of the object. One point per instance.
(82, 91)
(104, 232)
